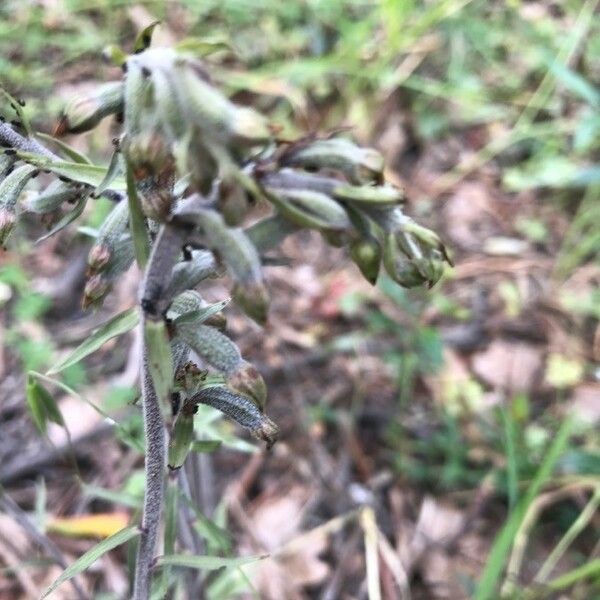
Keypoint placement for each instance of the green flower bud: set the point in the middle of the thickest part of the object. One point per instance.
(6, 164)
(8, 220)
(10, 190)
(189, 273)
(52, 198)
(398, 266)
(181, 438)
(242, 410)
(84, 112)
(246, 380)
(366, 254)
(253, 299)
(370, 195)
(360, 165)
(211, 346)
(96, 289)
(308, 208)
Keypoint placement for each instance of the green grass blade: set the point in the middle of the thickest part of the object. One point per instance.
(92, 555)
(585, 571)
(512, 466)
(503, 542)
(118, 325)
(205, 563)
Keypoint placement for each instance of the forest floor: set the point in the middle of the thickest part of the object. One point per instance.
(412, 422)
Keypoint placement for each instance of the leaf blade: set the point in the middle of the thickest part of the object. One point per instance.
(121, 323)
(92, 555)
(207, 563)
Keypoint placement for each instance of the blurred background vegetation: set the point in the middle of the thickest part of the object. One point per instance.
(439, 409)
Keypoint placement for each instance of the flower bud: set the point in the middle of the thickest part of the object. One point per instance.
(84, 112)
(253, 299)
(309, 208)
(242, 410)
(8, 220)
(213, 347)
(246, 380)
(370, 195)
(96, 289)
(153, 168)
(359, 165)
(10, 190)
(398, 266)
(6, 165)
(52, 198)
(181, 438)
(366, 254)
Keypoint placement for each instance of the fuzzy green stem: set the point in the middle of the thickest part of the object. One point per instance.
(155, 469)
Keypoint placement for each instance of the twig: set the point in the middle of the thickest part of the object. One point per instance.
(9, 506)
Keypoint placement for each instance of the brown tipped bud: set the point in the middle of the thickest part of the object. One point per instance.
(96, 289)
(86, 111)
(253, 298)
(98, 258)
(8, 220)
(241, 409)
(233, 204)
(249, 382)
(153, 167)
(250, 127)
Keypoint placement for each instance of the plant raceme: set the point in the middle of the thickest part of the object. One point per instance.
(186, 172)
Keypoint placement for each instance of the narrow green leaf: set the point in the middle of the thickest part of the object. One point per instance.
(144, 38)
(206, 563)
(42, 404)
(92, 555)
(122, 430)
(160, 361)
(504, 540)
(206, 445)
(115, 168)
(122, 323)
(137, 221)
(198, 316)
(590, 569)
(122, 498)
(67, 219)
(68, 151)
(36, 405)
(83, 173)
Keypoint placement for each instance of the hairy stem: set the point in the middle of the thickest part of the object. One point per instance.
(11, 138)
(155, 469)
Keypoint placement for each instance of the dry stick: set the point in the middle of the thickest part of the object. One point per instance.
(9, 506)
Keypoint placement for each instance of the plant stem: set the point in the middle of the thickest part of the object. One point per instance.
(155, 468)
